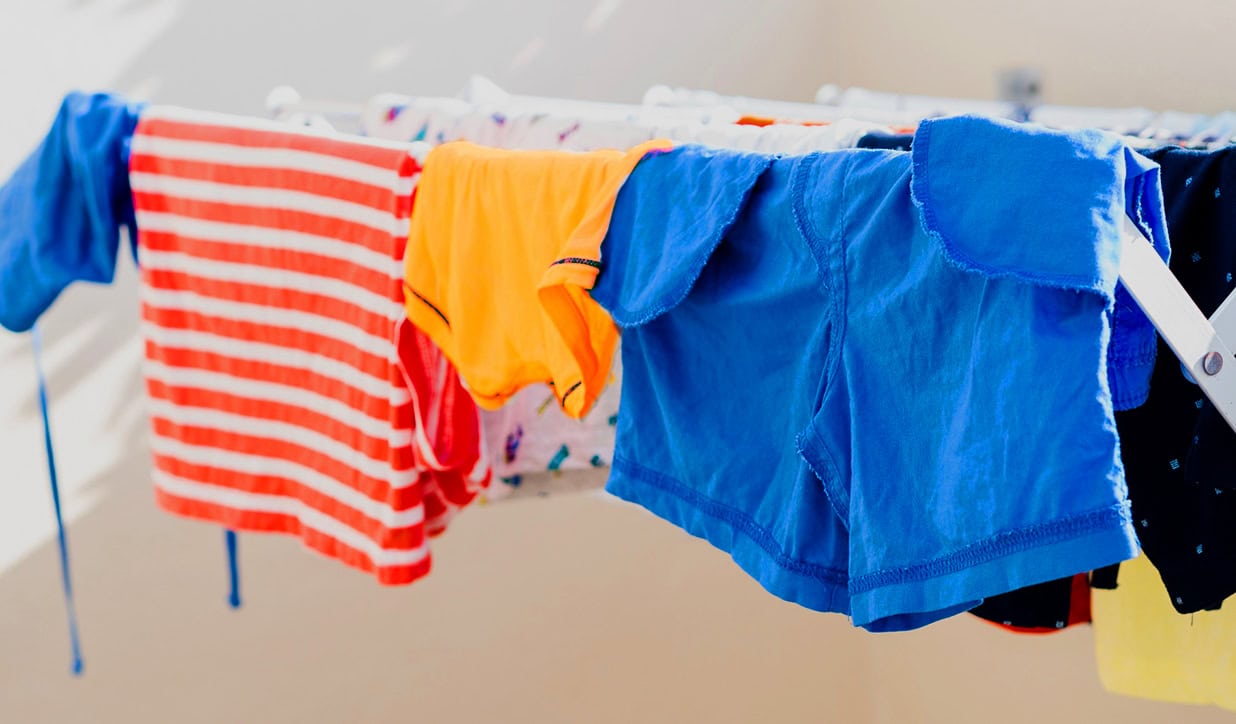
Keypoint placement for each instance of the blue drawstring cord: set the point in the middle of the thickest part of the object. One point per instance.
(70, 606)
(233, 567)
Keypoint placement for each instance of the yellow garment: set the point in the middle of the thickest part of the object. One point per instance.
(1146, 649)
(504, 246)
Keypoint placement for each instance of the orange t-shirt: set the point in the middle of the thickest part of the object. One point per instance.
(504, 246)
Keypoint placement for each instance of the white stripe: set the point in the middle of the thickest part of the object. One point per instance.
(276, 159)
(181, 377)
(422, 442)
(405, 478)
(256, 465)
(420, 426)
(210, 118)
(301, 322)
(229, 422)
(402, 229)
(309, 517)
(480, 471)
(315, 364)
(269, 238)
(266, 197)
(408, 185)
(258, 275)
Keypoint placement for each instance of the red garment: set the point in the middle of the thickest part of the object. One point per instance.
(447, 436)
(272, 288)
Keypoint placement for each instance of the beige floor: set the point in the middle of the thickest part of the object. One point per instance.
(571, 609)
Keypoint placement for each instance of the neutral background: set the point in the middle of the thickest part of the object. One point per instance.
(572, 609)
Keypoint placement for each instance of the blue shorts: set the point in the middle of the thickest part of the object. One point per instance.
(878, 379)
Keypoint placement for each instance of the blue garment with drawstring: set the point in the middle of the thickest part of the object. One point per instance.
(880, 380)
(62, 209)
(61, 214)
(60, 218)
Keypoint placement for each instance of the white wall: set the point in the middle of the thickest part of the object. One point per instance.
(1091, 52)
(571, 609)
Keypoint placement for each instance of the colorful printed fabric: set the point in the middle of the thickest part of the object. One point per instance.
(526, 439)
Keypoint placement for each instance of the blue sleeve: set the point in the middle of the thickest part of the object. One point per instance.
(61, 211)
(669, 217)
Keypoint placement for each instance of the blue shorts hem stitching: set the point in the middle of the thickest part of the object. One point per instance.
(1002, 544)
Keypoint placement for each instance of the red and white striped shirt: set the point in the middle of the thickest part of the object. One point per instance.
(272, 272)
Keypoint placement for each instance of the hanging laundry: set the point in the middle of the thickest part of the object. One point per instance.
(1179, 454)
(1134, 348)
(1144, 649)
(61, 214)
(271, 287)
(1037, 608)
(447, 435)
(1041, 607)
(1033, 609)
(1177, 450)
(503, 248)
(62, 209)
(530, 434)
(860, 308)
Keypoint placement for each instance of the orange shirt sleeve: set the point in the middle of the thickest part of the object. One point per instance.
(503, 248)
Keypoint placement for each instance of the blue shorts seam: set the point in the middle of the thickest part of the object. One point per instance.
(816, 453)
(1128, 355)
